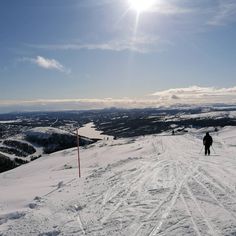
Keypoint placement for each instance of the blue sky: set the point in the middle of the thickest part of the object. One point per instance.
(86, 51)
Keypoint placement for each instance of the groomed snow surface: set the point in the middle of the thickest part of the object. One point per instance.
(151, 185)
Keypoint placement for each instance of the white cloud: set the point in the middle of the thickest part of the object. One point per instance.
(224, 13)
(140, 44)
(196, 94)
(210, 12)
(168, 8)
(46, 63)
(81, 103)
(193, 95)
(214, 13)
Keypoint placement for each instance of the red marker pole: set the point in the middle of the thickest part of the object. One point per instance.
(77, 132)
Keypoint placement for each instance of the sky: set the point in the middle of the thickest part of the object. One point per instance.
(83, 54)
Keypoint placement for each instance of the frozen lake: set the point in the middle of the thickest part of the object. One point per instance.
(90, 131)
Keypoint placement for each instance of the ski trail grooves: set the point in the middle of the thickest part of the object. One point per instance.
(223, 185)
(109, 195)
(212, 195)
(204, 183)
(208, 223)
(172, 203)
(190, 215)
(80, 223)
(141, 178)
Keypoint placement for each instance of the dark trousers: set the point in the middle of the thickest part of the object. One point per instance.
(207, 150)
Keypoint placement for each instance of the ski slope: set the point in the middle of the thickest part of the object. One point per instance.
(150, 185)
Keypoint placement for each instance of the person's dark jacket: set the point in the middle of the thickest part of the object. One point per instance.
(207, 140)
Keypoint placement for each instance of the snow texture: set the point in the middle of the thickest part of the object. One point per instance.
(151, 185)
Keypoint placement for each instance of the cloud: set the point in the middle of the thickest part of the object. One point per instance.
(50, 64)
(217, 12)
(140, 44)
(70, 104)
(224, 13)
(196, 94)
(168, 8)
(202, 12)
(214, 13)
(193, 95)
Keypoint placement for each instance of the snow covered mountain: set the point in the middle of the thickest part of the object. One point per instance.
(148, 185)
(32, 143)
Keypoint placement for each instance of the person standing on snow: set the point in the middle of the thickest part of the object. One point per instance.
(207, 142)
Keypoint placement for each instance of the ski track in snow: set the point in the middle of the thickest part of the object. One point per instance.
(164, 187)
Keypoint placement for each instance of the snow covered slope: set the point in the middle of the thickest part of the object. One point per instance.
(152, 185)
(31, 144)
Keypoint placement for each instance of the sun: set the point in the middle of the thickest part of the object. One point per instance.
(141, 5)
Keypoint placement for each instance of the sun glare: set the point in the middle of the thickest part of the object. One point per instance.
(141, 5)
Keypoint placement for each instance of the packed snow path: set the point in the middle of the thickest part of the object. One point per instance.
(154, 185)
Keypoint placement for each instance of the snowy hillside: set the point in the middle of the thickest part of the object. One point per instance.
(31, 144)
(150, 185)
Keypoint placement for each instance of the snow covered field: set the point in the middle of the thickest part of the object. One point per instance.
(151, 185)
